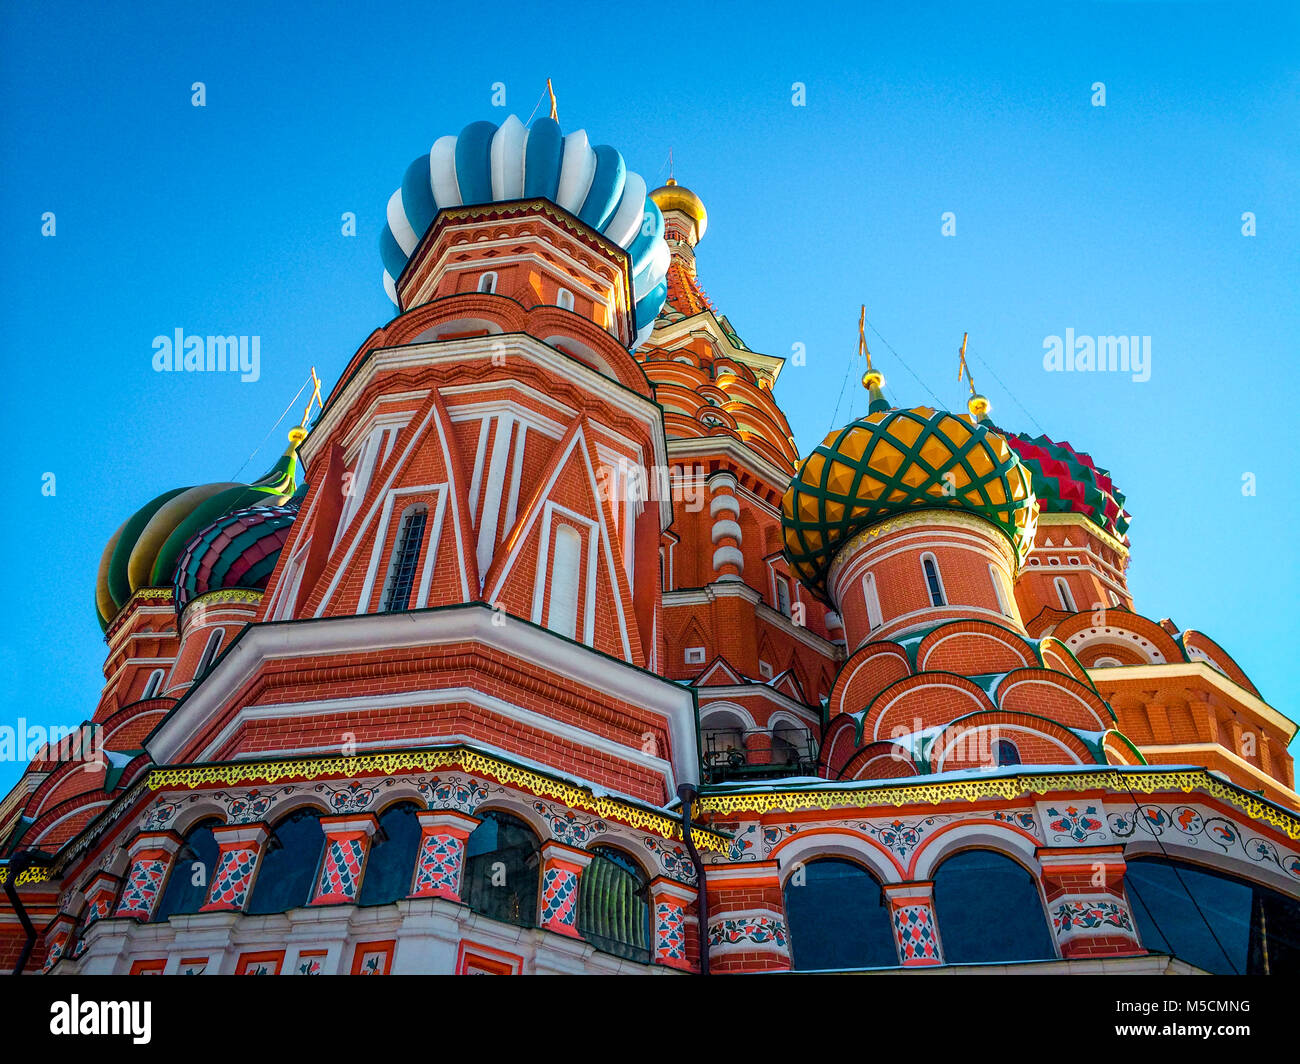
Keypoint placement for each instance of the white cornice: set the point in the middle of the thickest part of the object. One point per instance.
(320, 639)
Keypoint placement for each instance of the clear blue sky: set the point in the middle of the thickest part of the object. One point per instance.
(226, 219)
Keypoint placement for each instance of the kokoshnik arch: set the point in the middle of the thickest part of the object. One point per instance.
(446, 691)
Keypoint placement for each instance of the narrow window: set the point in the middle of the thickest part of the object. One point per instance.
(487, 282)
(406, 555)
(874, 616)
(932, 582)
(783, 595)
(155, 683)
(1114, 598)
(1000, 591)
(1005, 753)
(209, 653)
(564, 300)
(562, 614)
(1067, 599)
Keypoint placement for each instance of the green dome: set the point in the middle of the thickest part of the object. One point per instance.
(899, 461)
(145, 551)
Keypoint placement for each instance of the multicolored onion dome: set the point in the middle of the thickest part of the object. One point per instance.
(1067, 481)
(897, 461)
(237, 550)
(145, 551)
(488, 164)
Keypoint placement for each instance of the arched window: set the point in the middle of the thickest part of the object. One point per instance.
(190, 879)
(999, 589)
(1218, 923)
(838, 917)
(391, 864)
(289, 863)
(1063, 592)
(783, 595)
(1005, 752)
(502, 867)
(406, 555)
(209, 654)
(153, 684)
(874, 617)
(723, 736)
(933, 584)
(988, 909)
(566, 558)
(614, 905)
(487, 282)
(564, 299)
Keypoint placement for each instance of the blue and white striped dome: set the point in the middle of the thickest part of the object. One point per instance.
(489, 163)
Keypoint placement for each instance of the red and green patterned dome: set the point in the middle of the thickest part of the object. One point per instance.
(238, 550)
(145, 551)
(899, 461)
(1067, 481)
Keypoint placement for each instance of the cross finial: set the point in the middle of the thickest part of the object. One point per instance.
(315, 398)
(963, 370)
(551, 92)
(862, 336)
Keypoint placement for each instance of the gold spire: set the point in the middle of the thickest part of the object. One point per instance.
(976, 404)
(551, 92)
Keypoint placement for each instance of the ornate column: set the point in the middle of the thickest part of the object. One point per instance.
(724, 509)
(673, 944)
(1084, 887)
(347, 842)
(562, 867)
(440, 863)
(747, 930)
(911, 912)
(151, 856)
(57, 935)
(238, 848)
(99, 893)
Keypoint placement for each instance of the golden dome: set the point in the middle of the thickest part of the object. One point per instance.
(675, 197)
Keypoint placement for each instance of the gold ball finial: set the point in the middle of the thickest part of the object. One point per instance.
(873, 378)
(297, 435)
(978, 406)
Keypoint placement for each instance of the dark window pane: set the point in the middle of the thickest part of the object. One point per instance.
(405, 556)
(988, 909)
(391, 864)
(182, 895)
(837, 918)
(502, 867)
(1218, 923)
(289, 864)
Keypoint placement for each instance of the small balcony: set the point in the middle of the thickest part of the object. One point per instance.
(732, 755)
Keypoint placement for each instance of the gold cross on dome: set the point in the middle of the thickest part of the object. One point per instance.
(963, 370)
(315, 398)
(551, 92)
(862, 336)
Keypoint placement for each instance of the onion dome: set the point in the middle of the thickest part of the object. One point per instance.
(1067, 481)
(892, 462)
(238, 550)
(145, 551)
(487, 163)
(675, 197)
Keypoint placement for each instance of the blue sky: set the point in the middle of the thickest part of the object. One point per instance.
(226, 219)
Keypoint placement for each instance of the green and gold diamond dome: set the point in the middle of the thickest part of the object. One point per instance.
(900, 461)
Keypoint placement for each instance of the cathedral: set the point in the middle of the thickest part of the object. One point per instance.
(542, 648)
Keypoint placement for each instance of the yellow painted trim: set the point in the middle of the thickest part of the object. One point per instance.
(1007, 788)
(388, 764)
(1079, 521)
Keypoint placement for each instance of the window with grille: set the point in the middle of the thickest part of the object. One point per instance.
(401, 572)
